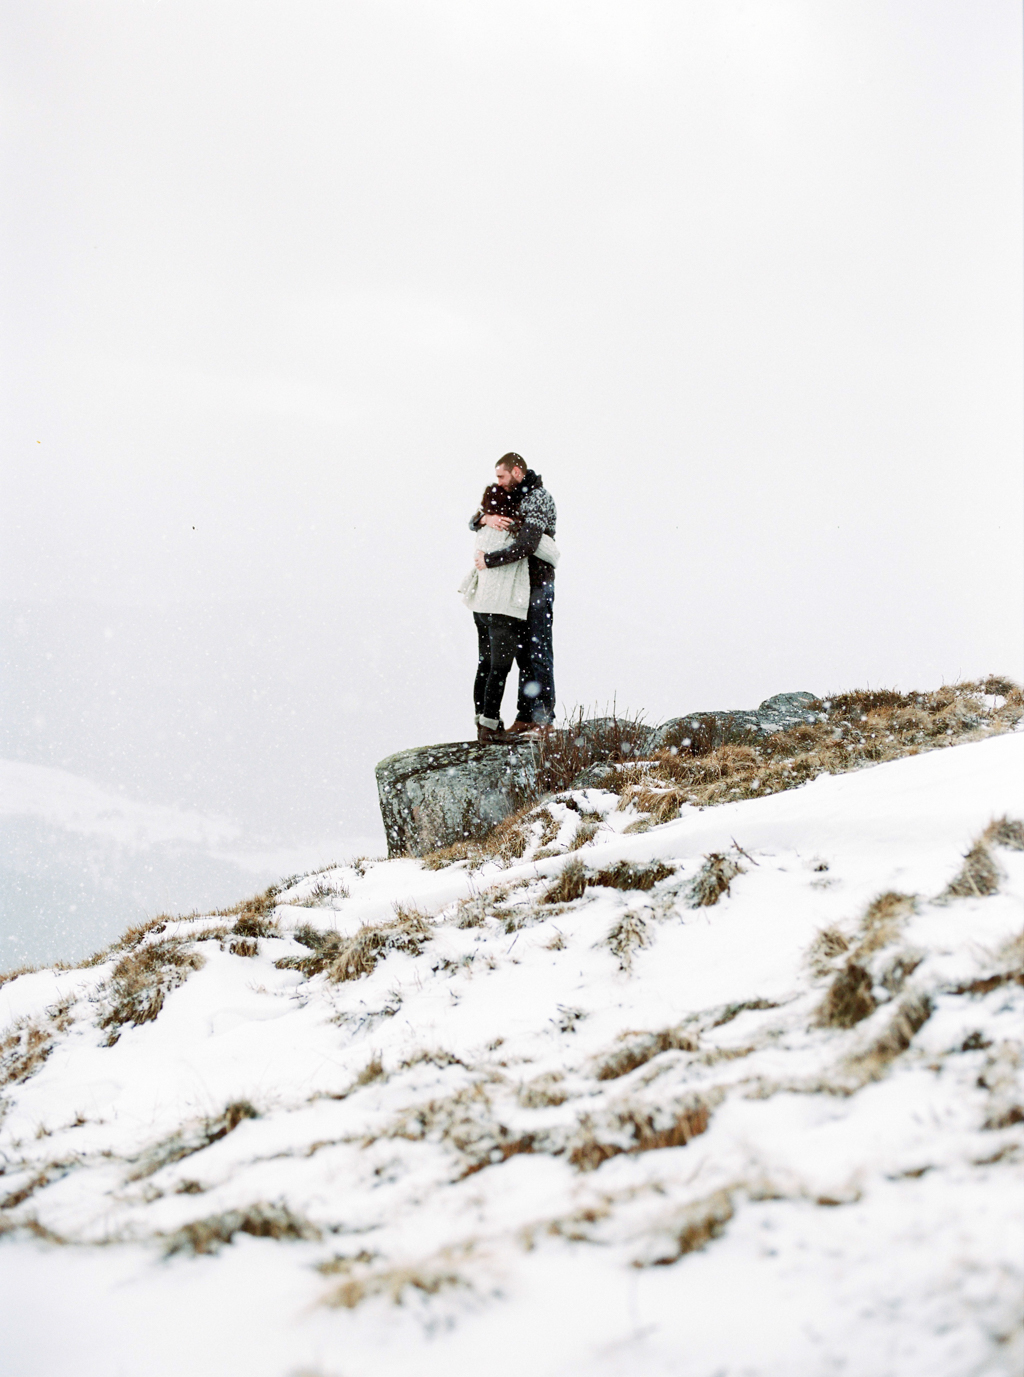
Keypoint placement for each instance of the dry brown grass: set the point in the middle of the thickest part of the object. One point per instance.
(882, 921)
(26, 1044)
(256, 925)
(350, 958)
(192, 1139)
(320, 894)
(249, 911)
(570, 885)
(372, 1071)
(1010, 970)
(978, 876)
(543, 1092)
(396, 1283)
(713, 879)
(261, 1220)
(849, 998)
(860, 728)
(585, 832)
(829, 944)
(628, 876)
(686, 1124)
(639, 1048)
(732, 1011)
(693, 1229)
(910, 1015)
(1005, 832)
(564, 754)
(857, 729)
(142, 980)
(23, 1049)
(627, 935)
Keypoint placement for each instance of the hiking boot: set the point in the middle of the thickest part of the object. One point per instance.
(519, 726)
(491, 736)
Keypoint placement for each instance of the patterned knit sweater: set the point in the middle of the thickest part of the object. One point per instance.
(539, 515)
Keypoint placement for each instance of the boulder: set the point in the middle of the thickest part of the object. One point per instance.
(787, 710)
(613, 735)
(437, 795)
(706, 731)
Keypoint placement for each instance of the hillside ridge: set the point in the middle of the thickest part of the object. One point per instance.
(583, 1111)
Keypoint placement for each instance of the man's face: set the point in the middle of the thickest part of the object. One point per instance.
(508, 478)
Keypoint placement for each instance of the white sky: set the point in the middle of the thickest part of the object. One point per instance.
(741, 280)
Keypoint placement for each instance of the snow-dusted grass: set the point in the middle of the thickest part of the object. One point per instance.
(552, 1114)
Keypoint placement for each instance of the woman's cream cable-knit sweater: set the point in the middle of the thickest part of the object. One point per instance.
(505, 589)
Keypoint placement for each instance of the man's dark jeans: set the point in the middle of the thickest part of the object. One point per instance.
(535, 656)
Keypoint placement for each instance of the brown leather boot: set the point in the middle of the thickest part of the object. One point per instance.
(491, 736)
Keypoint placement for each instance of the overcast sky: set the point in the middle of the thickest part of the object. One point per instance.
(742, 280)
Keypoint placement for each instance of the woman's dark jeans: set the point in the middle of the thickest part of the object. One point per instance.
(498, 641)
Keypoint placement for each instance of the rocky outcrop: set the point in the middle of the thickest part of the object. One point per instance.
(701, 732)
(436, 795)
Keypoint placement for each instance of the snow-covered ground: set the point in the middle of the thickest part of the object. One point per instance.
(603, 1137)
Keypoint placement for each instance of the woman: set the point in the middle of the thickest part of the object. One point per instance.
(500, 601)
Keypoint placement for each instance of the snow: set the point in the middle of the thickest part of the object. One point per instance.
(845, 1211)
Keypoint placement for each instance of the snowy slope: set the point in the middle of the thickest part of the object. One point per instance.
(607, 1136)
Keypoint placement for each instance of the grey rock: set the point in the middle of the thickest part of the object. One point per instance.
(706, 731)
(632, 738)
(593, 777)
(789, 702)
(436, 795)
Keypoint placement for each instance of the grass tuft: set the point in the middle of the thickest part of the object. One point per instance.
(342, 958)
(396, 1283)
(564, 754)
(261, 1220)
(911, 1014)
(570, 885)
(23, 1050)
(625, 875)
(977, 877)
(688, 1123)
(693, 1229)
(713, 879)
(255, 925)
(640, 1049)
(626, 936)
(141, 981)
(1005, 832)
(193, 1139)
(882, 921)
(849, 998)
(543, 1093)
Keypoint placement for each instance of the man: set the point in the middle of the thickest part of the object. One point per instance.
(535, 654)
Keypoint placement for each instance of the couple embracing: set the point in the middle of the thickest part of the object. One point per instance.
(511, 593)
